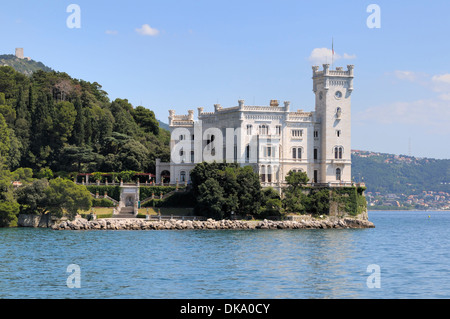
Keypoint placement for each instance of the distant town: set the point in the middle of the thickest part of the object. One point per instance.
(415, 189)
(426, 201)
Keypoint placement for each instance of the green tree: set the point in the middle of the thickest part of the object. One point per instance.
(9, 208)
(145, 118)
(64, 197)
(271, 203)
(211, 199)
(319, 202)
(78, 128)
(295, 200)
(33, 197)
(4, 140)
(239, 189)
(73, 158)
(63, 122)
(249, 191)
(8, 213)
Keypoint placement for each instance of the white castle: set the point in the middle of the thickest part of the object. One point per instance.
(273, 139)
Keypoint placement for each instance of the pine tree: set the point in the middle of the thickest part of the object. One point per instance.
(78, 127)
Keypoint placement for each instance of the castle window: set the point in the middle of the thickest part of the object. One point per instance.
(297, 133)
(278, 129)
(247, 154)
(338, 133)
(192, 156)
(297, 153)
(263, 173)
(316, 151)
(338, 152)
(263, 129)
(338, 174)
(182, 176)
(316, 133)
(249, 129)
(269, 151)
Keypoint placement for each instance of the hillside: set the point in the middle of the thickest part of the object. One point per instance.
(51, 120)
(23, 66)
(163, 125)
(400, 174)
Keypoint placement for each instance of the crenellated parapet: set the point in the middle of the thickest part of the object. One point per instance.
(328, 77)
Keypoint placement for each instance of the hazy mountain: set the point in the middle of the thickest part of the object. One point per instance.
(400, 174)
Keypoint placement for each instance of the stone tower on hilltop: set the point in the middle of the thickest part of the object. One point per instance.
(19, 53)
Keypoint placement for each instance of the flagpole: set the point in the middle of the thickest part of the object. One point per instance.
(332, 53)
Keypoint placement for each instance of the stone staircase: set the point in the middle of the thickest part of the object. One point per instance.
(125, 212)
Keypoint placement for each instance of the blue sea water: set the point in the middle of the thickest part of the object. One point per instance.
(411, 249)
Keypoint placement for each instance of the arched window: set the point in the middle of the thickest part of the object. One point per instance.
(338, 151)
(247, 153)
(182, 176)
(263, 173)
(263, 129)
(294, 153)
(249, 129)
(338, 174)
(299, 153)
(269, 173)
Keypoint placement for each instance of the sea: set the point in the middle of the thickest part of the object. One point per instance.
(406, 256)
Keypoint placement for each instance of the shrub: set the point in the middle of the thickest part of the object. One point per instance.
(102, 202)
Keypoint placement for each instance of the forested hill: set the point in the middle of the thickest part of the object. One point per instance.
(24, 66)
(400, 174)
(51, 120)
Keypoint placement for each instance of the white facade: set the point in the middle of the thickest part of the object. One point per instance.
(273, 139)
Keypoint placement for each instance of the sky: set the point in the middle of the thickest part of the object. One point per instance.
(187, 54)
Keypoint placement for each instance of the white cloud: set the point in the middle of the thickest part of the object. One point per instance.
(406, 75)
(321, 56)
(111, 32)
(147, 30)
(444, 78)
(441, 84)
(430, 114)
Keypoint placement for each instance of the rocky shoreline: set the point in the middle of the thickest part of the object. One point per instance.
(174, 224)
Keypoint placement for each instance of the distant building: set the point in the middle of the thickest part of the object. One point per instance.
(19, 53)
(273, 139)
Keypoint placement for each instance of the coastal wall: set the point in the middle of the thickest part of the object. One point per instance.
(28, 220)
(176, 224)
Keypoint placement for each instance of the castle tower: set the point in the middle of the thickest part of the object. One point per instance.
(19, 53)
(333, 89)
